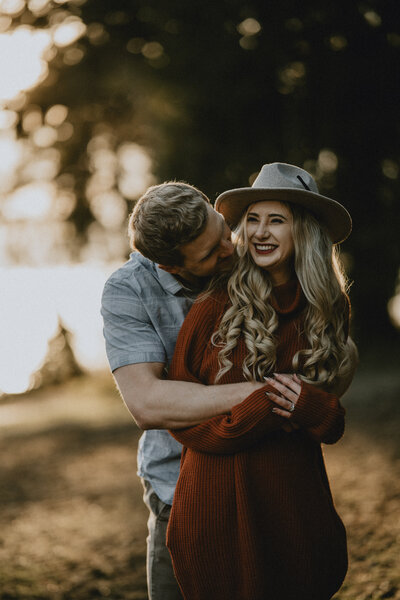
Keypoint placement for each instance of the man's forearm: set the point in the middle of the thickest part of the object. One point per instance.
(181, 404)
(156, 403)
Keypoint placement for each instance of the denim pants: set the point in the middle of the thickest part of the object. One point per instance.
(161, 582)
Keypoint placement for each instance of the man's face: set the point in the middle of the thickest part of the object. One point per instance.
(210, 253)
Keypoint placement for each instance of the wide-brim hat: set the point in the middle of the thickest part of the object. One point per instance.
(287, 183)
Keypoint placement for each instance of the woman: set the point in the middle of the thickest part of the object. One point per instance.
(253, 516)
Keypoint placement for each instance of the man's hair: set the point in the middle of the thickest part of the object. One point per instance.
(166, 217)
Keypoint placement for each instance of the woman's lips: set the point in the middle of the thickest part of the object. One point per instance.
(264, 248)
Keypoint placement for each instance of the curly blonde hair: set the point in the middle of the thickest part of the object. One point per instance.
(322, 279)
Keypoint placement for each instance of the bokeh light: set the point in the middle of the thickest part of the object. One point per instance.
(249, 27)
(291, 77)
(390, 168)
(135, 170)
(45, 136)
(37, 6)
(327, 161)
(11, 7)
(372, 18)
(68, 32)
(152, 50)
(22, 65)
(394, 310)
(338, 42)
(11, 154)
(56, 115)
(8, 119)
(32, 201)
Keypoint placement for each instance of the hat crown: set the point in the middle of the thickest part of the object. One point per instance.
(284, 176)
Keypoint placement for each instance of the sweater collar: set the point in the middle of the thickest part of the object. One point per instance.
(288, 297)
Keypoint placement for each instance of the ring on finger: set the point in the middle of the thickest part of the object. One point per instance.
(292, 405)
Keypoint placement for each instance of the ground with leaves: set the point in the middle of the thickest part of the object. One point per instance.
(72, 522)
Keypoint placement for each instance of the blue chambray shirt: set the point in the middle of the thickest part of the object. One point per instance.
(143, 308)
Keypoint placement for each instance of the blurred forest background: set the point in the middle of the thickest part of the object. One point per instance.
(99, 100)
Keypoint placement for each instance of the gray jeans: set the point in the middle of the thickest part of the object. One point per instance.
(161, 582)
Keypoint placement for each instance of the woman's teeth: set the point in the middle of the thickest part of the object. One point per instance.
(265, 247)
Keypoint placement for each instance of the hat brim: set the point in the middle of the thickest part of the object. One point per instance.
(331, 214)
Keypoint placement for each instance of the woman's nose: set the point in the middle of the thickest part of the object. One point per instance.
(262, 231)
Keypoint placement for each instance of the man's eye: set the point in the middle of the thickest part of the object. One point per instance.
(209, 255)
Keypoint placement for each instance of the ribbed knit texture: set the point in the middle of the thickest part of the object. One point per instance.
(253, 516)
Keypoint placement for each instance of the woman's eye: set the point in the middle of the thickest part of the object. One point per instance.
(276, 221)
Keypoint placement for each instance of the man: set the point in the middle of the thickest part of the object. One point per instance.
(143, 307)
(181, 241)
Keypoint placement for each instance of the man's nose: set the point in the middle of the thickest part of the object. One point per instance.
(226, 248)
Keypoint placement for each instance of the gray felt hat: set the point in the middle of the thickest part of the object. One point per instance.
(287, 183)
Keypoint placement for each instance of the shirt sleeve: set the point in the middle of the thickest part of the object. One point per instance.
(247, 422)
(128, 331)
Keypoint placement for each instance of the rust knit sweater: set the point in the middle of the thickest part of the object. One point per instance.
(253, 516)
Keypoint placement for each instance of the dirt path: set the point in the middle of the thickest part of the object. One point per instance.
(364, 470)
(72, 522)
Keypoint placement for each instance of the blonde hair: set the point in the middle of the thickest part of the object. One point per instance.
(167, 216)
(323, 282)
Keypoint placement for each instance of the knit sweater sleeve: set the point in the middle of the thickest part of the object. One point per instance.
(247, 422)
(320, 413)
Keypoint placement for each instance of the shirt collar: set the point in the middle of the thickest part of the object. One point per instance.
(168, 281)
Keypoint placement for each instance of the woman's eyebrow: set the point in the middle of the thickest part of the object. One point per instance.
(255, 214)
(277, 215)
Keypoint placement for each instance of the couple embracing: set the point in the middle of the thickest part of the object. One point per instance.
(227, 333)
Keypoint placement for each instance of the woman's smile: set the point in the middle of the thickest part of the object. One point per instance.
(264, 248)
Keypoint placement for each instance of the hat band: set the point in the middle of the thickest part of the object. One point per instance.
(303, 182)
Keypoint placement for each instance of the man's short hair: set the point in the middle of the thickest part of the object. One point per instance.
(166, 217)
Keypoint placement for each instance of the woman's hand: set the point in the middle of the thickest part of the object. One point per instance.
(288, 388)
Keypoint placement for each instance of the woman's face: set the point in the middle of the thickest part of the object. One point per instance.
(270, 238)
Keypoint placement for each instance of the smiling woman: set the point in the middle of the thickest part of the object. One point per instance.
(281, 317)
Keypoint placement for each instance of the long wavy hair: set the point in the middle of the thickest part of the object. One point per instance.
(322, 279)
